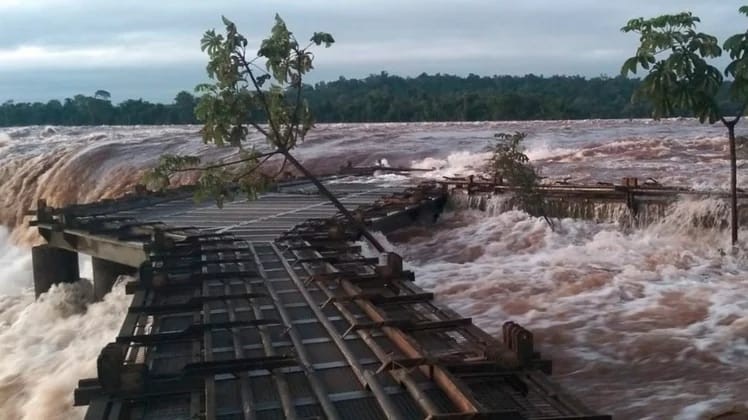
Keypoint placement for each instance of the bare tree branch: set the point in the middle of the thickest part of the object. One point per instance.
(253, 169)
(259, 128)
(282, 168)
(263, 99)
(224, 164)
(295, 121)
(740, 114)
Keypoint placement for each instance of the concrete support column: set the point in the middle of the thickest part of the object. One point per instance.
(53, 265)
(105, 274)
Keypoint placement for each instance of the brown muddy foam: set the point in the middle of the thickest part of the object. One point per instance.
(81, 164)
(649, 323)
(645, 324)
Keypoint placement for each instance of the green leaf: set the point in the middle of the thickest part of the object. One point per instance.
(510, 165)
(629, 66)
(262, 79)
(238, 97)
(682, 79)
(322, 38)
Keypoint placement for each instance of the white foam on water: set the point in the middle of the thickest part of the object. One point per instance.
(544, 150)
(655, 314)
(697, 410)
(50, 344)
(460, 163)
(15, 266)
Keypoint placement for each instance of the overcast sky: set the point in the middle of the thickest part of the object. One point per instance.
(150, 48)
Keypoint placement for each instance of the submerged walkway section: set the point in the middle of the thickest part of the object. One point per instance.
(629, 203)
(271, 309)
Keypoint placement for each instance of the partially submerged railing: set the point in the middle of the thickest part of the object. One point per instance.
(631, 202)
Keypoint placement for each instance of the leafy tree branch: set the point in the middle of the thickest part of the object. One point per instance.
(509, 165)
(680, 77)
(239, 98)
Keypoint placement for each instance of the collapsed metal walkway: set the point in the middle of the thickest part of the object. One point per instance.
(270, 309)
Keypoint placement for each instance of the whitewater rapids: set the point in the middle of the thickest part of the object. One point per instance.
(649, 323)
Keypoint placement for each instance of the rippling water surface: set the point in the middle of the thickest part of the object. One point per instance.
(640, 323)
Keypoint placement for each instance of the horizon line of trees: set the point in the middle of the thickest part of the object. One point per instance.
(378, 98)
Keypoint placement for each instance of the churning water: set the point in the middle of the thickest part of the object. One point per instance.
(639, 322)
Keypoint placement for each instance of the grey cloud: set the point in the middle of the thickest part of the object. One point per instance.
(402, 37)
(155, 84)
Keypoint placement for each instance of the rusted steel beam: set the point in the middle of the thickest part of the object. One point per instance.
(410, 325)
(454, 362)
(382, 300)
(188, 279)
(193, 331)
(388, 276)
(238, 365)
(401, 376)
(456, 391)
(194, 303)
(334, 259)
(318, 388)
(279, 378)
(358, 370)
(205, 352)
(391, 410)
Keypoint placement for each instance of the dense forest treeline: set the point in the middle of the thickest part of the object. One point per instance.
(473, 98)
(377, 98)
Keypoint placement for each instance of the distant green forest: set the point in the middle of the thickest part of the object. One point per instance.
(377, 98)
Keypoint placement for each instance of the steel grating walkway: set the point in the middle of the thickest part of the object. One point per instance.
(259, 220)
(268, 309)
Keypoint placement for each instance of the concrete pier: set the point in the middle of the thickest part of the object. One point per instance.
(105, 274)
(53, 265)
